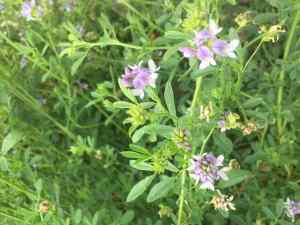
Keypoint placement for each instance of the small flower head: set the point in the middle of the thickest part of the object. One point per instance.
(206, 112)
(230, 121)
(249, 128)
(44, 206)
(271, 33)
(137, 115)
(222, 202)
(292, 208)
(181, 139)
(164, 211)
(138, 78)
(243, 19)
(207, 169)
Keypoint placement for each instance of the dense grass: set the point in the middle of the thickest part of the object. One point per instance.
(75, 142)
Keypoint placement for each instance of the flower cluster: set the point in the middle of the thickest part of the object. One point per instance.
(181, 138)
(222, 202)
(206, 45)
(206, 112)
(138, 78)
(230, 121)
(29, 8)
(292, 208)
(207, 169)
(271, 33)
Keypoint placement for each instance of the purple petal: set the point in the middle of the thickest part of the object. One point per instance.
(188, 52)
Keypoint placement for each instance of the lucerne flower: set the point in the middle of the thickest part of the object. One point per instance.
(206, 170)
(292, 208)
(138, 78)
(27, 9)
(206, 45)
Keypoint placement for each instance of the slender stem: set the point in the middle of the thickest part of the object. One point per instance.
(183, 176)
(206, 140)
(182, 194)
(241, 74)
(11, 217)
(281, 75)
(196, 94)
(253, 54)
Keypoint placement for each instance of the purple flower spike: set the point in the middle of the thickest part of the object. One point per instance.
(138, 78)
(206, 57)
(292, 208)
(206, 170)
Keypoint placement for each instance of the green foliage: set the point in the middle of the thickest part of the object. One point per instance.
(67, 122)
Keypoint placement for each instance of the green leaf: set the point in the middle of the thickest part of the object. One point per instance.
(77, 64)
(132, 155)
(122, 105)
(172, 168)
(234, 177)
(279, 207)
(170, 52)
(232, 2)
(127, 217)
(176, 35)
(139, 149)
(223, 143)
(4, 164)
(140, 165)
(169, 98)
(153, 129)
(77, 217)
(139, 188)
(161, 189)
(127, 92)
(11, 140)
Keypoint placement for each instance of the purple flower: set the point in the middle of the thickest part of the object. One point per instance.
(188, 52)
(224, 48)
(206, 57)
(222, 125)
(206, 170)
(292, 208)
(206, 44)
(207, 34)
(138, 77)
(27, 8)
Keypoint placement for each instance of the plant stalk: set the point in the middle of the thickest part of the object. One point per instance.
(281, 75)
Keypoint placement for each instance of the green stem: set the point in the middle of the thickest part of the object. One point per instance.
(206, 140)
(241, 74)
(183, 176)
(11, 217)
(196, 94)
(281, 75)
(182, 194)
(253, 54)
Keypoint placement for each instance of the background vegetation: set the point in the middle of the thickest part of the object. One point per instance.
(62, 134)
